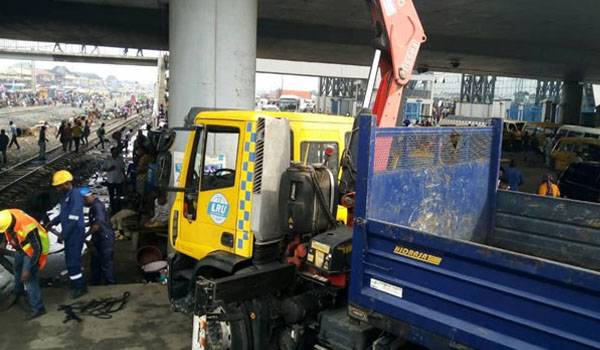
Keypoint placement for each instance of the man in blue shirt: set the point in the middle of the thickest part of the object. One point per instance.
(72, 229)
(514, 176)
(103, 239)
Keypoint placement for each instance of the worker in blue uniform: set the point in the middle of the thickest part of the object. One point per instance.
(103, 239)
(72, 225)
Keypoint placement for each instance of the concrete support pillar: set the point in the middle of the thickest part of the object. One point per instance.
(570, 102)
(212, 61)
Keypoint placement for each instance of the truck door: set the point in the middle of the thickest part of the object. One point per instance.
(218, 197)
(210, 212)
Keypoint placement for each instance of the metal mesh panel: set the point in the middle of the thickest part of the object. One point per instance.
(435, 180)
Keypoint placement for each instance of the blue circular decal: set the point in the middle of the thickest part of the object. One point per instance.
(218, 208)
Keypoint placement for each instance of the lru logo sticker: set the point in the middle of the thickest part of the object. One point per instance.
(218, 208)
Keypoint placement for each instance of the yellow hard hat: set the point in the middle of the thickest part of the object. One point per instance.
(60, 177)
(5, 220)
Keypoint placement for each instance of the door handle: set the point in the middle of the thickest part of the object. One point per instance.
(227, 239)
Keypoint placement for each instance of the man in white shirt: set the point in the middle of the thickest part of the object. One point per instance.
(161, 212)
(115, 178)
(14, 133)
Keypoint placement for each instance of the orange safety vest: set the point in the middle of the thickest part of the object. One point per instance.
(23, 225)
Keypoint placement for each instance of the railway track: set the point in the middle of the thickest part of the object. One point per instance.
(23, 178)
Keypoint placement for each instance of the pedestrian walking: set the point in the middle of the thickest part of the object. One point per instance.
(68, 134)
(548, 187)
(60, 135)
(72, 225)
(117, 137)
(42, 143)
(115, 178)
(86, 132)
(101, 132)
(14, 133)
(4, 140)
(30, 242)
(126, 136)
(103, 240)
(514, 176)
(77, 134)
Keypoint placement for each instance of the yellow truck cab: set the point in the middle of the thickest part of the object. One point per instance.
(231, 172)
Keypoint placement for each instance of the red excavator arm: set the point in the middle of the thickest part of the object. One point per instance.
(399, 35)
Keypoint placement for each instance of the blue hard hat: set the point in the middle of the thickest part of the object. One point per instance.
(85, 191)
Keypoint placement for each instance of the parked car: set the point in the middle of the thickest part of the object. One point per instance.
(570, 149)
(581, 181)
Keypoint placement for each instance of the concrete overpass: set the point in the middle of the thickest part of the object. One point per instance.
(262, 65)
(77, 57)
(534, 38)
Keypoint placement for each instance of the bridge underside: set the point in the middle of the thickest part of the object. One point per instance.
(537, 38)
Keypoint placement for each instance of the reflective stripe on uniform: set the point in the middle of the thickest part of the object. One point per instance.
(27, 248)
(76, 277)
(73, 217)
(24, 231)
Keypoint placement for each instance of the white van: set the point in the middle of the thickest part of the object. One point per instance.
(577, 131)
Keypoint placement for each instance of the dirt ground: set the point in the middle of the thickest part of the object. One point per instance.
(25, 117)
(28, 116)
(146, 322)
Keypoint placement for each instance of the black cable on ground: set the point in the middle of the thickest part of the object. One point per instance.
(99, 308)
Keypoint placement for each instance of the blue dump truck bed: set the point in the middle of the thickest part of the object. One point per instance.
(443, 259)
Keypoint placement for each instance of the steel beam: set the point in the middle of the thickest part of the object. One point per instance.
(477, 88)
(548, 90)
(342, 87)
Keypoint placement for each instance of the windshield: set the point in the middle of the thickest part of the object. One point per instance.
(220, 158)
(312, 152)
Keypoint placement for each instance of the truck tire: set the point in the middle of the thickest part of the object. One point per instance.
(234, 334)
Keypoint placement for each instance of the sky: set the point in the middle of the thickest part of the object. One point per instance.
(145, 74)
(270, 82)
(134, 73)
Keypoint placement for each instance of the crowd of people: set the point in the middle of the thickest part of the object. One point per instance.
(26, 99)
(74, 134)
(133, 186)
